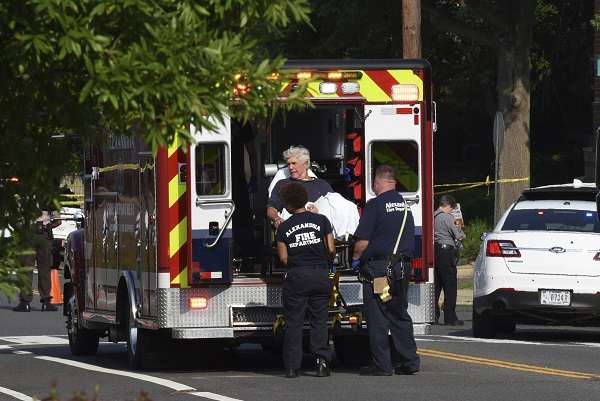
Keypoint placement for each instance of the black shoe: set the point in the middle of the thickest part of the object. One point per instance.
(373, 371)
(22, 307)
(322, 368)
(291, 373)
(403, 370)
(456, 322)
(48, 307)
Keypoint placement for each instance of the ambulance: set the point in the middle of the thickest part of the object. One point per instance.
(176, 245)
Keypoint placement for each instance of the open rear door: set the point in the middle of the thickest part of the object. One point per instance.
(212, 205)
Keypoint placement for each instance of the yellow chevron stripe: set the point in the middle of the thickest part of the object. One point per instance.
(178, 237)
(371, 91)
(177, 143)
(408, 77)
(176, 190)
(182, 279)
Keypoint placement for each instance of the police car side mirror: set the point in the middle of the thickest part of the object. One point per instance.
(483, 236)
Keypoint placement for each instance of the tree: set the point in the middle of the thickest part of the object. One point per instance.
(506, 28)
(81, 68)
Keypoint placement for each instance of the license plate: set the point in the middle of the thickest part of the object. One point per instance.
(555, 297)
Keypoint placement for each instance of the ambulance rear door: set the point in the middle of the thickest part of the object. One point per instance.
(212, 204)
(393, 137)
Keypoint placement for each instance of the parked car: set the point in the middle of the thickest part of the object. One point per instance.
(541, 263)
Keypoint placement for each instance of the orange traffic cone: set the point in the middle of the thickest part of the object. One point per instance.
(55, 291)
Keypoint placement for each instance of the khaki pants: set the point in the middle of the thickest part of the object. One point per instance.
(43, 261)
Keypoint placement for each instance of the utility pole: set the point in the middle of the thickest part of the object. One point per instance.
(411, 28)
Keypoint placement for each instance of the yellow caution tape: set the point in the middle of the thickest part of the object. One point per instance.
(469, 185)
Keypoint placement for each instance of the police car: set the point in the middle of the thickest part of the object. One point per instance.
(541, 263)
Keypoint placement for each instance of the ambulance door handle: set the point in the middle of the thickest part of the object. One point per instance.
(412, 200)
(227, 221)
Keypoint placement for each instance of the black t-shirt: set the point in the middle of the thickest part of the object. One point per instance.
(304, 236)
(314, 188)
(380, 224)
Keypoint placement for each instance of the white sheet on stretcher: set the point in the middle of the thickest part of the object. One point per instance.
(342, 213)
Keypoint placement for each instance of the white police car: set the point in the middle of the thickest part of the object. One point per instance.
(541, 263)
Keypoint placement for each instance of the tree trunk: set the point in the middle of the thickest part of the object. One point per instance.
(513, 88)
(411, 28)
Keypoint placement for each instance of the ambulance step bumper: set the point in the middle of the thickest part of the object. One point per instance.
(213, 332)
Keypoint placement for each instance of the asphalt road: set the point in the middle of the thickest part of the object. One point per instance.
(533, 364)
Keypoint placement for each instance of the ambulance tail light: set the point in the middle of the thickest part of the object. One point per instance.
(405, 93)
(418, 271)
(350, 88)
(198, 303)
(328, 88)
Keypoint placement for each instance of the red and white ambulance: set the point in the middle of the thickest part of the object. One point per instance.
(177, 244)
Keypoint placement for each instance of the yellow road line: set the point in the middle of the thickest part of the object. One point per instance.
(507, 365)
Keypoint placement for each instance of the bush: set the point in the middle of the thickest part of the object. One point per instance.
(472, 241)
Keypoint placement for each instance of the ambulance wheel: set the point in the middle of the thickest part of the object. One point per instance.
(81, 340)
(137, 344)
(352, 350)
(483, 325)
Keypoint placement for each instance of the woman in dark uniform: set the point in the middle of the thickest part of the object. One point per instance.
(305, 245)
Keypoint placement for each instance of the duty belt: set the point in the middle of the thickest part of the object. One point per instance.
(445, 246)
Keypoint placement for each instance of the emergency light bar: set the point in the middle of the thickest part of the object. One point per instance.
(405, 93)
(349, 88)
(328, 88)
(327, 75)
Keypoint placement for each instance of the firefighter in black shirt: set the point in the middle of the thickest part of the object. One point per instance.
(377, 233)
(305, 245)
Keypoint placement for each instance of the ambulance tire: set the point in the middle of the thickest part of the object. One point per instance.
(483, 325)
(352, 350)
(138, 345)
(81, 340)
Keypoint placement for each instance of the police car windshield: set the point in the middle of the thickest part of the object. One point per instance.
(552, 220)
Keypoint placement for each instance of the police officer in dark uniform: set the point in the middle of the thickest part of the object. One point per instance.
(305, 245)
(377, 232)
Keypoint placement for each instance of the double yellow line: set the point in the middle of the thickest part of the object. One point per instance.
(507, 365)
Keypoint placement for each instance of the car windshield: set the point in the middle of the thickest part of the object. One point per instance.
(552, 220)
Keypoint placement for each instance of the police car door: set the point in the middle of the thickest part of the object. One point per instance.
(212, 204)
(393, 137)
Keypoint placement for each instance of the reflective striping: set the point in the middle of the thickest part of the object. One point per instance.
(182, 279)
(15, 394)
(371, 91)
(213, 396)
(176, 190)
(178, 237)
(408, 77)
(173, 147)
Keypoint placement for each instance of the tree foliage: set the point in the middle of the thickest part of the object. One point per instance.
(80, 68)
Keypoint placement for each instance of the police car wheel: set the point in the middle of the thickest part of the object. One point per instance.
(81, 340)
(483, 326)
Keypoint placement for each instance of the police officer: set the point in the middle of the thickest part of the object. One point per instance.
(42, 242)
(377, 233)
(305, 245)
(446, 236)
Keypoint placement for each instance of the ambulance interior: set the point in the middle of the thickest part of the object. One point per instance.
(333, 133)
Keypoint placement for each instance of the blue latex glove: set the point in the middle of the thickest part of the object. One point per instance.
(355, 264)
